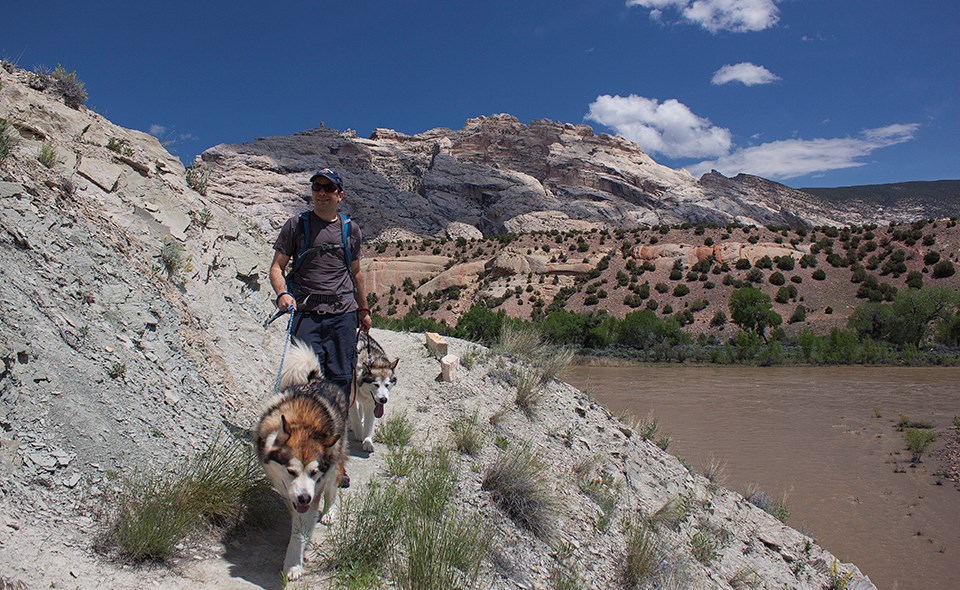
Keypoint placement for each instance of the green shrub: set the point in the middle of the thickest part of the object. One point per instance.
(48, 155)
(120, 146)
(799, 315)
(943, 269)
(395, 431)
(517, 482)
(72, 90)
(819, 275)
(918, 441)
(7, 140)
(176, 262)
(197, 178)
(468, 435)
(776, 508)
(156, 512)
(644, 552)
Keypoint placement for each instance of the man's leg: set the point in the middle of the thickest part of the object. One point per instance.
(339, 345)
(340, 360)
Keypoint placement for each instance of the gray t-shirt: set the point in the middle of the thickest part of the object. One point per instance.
(324, 269)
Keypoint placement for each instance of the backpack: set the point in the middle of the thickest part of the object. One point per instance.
(303, 235)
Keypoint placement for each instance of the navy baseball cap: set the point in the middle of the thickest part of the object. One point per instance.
(329, 175)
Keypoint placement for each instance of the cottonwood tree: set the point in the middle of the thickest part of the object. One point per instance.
(752, 310)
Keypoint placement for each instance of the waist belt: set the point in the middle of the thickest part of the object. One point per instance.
(325, 298)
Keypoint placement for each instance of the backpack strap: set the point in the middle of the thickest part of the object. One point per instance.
(304, 237)
(345, 241)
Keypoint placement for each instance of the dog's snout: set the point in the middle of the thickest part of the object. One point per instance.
(304, 499)
(382, 400)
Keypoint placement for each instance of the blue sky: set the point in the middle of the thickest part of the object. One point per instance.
(806, 92)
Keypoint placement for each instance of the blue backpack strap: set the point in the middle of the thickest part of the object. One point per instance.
(304, 226)
(345, 242)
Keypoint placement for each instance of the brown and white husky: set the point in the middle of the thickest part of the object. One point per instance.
(373, 381)
(301, 445)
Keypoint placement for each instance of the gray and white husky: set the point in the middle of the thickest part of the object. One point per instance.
(374, 379)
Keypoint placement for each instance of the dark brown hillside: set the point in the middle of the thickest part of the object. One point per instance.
(689, 270)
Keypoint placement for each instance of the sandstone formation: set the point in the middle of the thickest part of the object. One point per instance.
(498, 175)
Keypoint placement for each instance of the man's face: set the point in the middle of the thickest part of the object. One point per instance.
(325, 193)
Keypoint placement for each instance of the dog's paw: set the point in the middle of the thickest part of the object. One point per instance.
(368, 445)
(326, 519)
(295, 572)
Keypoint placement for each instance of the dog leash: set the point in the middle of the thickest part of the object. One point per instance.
(286, 342)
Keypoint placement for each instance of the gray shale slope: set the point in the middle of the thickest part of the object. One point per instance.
(111, 365)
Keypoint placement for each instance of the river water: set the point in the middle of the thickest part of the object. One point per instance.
(824, 436)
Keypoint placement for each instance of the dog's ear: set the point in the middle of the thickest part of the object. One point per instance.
(314, 375)
(283, 434)
(393, 365)
(325, 440)
(364, 367)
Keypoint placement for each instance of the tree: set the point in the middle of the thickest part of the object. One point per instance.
(752, 310)
(910, 319)
(481, 325)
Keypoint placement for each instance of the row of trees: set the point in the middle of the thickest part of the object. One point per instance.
(876, 332)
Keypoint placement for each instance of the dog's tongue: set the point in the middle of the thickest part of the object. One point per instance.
(378, 410)
(301, 508)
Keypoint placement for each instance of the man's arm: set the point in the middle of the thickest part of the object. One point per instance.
(360, 294)
(279, 284)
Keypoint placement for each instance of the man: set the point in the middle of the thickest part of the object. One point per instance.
(329, 300)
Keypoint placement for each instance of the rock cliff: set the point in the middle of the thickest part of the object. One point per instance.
(500, 175)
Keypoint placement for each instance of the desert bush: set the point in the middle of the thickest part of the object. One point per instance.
(157, 511)
(198, 179)
(644, 552)
(674, 513)
(527, 381)
(932, 257)
(176, 262)
(799, 315)
(410, 533)
(518, 483)
(604, 492)
(777, 508)
(120, 146)
(48, 155)
(7, 140)
(707, 541)
(519, 339)
(395, 431)
(72, 90)
(943, 269)
(468, 435)
(918, 441)
(819, 275)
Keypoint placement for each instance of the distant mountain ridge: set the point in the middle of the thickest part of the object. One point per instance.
(941, 198)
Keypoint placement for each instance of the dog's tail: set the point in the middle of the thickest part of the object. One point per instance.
(301, 365)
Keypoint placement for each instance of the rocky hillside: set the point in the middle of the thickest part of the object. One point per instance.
(131, 333)
(499, 175)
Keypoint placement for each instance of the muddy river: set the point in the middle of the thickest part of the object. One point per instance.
(824, 436)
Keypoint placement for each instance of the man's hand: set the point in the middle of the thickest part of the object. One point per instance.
(285, 300)
(364, 319)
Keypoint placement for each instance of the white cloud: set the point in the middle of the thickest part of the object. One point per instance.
(746, 73)
(668, 128)
(156, 130)
(780, 160)
(739, 16)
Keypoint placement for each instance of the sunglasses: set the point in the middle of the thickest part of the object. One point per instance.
(325, 187)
